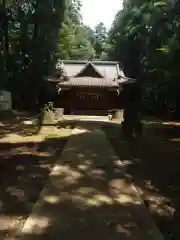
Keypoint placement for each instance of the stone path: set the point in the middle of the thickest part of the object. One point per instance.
(89, 196)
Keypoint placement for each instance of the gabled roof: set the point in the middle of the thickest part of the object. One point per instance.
(89, 70)
(92, 73)
(108, 69)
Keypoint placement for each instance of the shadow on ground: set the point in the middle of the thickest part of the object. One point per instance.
(14, 123)
(81, 201)
(152, 161)
(25, 168)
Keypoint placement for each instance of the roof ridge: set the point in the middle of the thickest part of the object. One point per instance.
(94, 68)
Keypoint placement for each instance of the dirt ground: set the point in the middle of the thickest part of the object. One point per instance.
(154, 164)
(27, 156)
(26, 159)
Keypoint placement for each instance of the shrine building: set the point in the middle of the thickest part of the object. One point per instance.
(89, 86)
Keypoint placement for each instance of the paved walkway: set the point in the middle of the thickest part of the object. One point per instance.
(89, 196)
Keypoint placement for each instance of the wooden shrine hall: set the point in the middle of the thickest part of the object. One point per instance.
(89, 86)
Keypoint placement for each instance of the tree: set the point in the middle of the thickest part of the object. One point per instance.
(75, 43)
(90, 35)
(147, 46)
(100, 35)
(73, 11)
(29, 36)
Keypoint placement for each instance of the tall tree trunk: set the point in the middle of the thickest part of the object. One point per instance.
(6, 28)
(5, 33)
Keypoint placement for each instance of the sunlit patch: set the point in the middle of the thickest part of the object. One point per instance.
(66, 172)
(58, 170)
(84, 191)
(88, 162)
(103, 199)
(124, 198)
(127, 162)
(79, 131)
(29, 151)
(28, 122)
(80, 155)
(137, 202)
(42, 154)
(161, 205)
(175, 140)
(171, 123)
(98, 200)
(44, 166)
(83, 167)
(89, 196)
(97, 174)
(93, 202)
(52, 199)
(124, 230)
(118, 163)
(66, 176)
(20, 168)
(35, 225)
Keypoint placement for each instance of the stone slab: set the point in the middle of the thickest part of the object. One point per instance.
(89, 196)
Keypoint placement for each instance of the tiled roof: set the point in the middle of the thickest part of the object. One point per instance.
(108, 69)
(73, 69)
(91, 73)
(89, 81)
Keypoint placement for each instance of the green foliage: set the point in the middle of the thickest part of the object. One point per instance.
(145, 39)
(28, 38)
(30, 26)
(75, 42)
(100, 37)
(48, 107)
(34, 33)
(78, 41)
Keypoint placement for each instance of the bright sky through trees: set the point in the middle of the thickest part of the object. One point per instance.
(95, 11)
